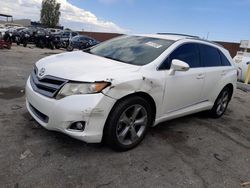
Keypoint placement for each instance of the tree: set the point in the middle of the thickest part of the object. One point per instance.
(50, 13)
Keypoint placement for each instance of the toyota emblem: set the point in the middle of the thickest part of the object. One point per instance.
(41, 72)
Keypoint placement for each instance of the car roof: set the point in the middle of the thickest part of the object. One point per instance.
(176, 37)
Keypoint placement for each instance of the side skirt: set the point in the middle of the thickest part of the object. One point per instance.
(206, 105)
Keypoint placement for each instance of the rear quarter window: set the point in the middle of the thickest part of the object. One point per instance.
(210, 56)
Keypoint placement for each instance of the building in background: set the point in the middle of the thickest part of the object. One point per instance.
(8, 20)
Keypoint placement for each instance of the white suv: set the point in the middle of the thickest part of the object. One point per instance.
(114, 91)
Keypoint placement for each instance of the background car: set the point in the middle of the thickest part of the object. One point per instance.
(44, 38)
(62, 39)
(81, 42)
(26, 35)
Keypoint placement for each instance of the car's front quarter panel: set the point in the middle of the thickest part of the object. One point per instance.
(148, 81)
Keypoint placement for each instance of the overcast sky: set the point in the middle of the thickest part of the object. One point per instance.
(224, 20)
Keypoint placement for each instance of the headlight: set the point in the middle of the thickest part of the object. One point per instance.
(81, 88)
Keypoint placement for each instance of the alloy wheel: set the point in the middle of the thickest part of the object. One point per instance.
(132, 124)
(222, 103)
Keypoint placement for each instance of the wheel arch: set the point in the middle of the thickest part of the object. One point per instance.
(231, 89)
(213, 111)
(143, 95)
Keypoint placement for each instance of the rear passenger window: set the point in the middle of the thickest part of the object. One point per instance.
(224, 60)
(210, 56)
(189, 53)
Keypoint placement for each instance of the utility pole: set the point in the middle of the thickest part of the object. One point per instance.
(208, 35)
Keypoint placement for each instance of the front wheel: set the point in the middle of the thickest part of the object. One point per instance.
(221, 103)
(127, 123)
(25, 44)
(70, 48)
(57, 46)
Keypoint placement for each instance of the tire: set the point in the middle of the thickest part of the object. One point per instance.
(52, 47)
(221, 103)
(121, 131)
(87, 45)
(80, 47)
(41, 44)
(70, 48)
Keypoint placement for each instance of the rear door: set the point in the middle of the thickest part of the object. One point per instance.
(216, 67)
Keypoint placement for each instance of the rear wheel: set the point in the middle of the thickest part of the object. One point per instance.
(51, 44)
(127, 123)
(221, 103)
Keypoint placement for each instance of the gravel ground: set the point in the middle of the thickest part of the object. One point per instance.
(193, 151)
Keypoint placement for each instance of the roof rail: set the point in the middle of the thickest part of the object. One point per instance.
(192, 37)
(215, 43)
(179, 34)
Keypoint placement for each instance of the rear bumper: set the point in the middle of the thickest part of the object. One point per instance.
(58, 115)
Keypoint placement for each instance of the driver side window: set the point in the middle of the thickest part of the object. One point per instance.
(189, 53)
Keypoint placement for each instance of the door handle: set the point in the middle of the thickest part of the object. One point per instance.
(200, 76)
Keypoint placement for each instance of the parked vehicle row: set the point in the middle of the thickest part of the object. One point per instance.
(81, 42)
(47, 37)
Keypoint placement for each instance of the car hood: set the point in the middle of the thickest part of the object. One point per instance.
(82, 66)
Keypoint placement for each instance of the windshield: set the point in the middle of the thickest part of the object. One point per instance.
(136, 50)
(76, 38)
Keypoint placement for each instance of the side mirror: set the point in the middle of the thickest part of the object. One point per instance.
(178, 65)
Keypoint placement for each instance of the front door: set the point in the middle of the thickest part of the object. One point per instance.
(183, 89)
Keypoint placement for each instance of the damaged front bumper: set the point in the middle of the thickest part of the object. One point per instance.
(59, 115)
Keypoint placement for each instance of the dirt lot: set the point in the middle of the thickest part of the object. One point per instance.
(193, 151)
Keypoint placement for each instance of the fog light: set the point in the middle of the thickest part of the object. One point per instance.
(77, 126)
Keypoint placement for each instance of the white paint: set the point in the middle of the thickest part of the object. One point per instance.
(175, 95)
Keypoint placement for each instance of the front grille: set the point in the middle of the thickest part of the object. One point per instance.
(39, 114)
(47, 85)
